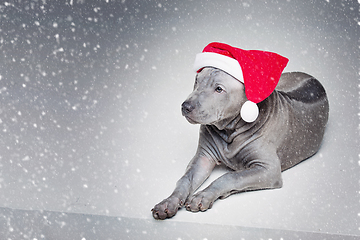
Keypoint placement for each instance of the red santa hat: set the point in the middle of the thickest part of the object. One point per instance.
(259, 71)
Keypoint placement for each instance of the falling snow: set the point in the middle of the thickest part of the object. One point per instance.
(90, 120)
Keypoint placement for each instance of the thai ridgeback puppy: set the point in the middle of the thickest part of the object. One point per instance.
(288, 129)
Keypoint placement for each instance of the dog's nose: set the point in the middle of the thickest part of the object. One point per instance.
(186, 108)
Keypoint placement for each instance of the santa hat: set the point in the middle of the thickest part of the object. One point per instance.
(259, 71)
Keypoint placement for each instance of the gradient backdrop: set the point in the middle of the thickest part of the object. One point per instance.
(90, 95)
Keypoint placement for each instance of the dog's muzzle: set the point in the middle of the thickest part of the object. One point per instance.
(187, 108)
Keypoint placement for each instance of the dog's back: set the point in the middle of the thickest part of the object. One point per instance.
(310, 109)
(301, 87)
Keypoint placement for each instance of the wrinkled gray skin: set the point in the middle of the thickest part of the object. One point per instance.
(289, 129)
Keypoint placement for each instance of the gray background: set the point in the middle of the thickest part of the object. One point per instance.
(90, 95)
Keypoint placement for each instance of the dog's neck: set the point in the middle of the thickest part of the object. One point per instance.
(229, 128)
(230, 124)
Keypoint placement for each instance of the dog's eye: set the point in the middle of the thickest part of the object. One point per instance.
(218, 89)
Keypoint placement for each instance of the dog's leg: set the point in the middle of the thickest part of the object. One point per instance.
(254, 178)
(196, 173)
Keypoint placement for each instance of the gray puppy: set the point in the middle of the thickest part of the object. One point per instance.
(288, 129)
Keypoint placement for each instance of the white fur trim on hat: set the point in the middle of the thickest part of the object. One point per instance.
(222, 62)
(249, 111)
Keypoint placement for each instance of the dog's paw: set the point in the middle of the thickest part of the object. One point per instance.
(167, 208)
(201, 201)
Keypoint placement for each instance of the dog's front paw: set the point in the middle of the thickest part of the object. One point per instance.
(167, 208)
(201, 201)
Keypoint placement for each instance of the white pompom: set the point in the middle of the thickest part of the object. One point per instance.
(249, 111)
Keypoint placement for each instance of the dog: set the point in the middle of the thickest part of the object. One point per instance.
(287, 129)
